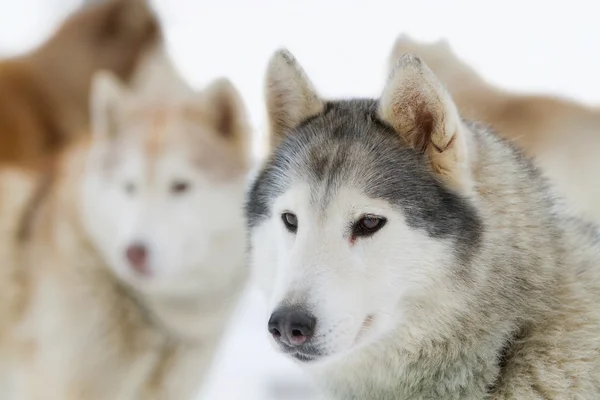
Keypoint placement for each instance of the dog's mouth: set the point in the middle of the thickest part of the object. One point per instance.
(309, 354)
(305, 354)
(364, 329)
(303, 357)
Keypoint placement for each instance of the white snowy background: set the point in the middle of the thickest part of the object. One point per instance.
(541, 46)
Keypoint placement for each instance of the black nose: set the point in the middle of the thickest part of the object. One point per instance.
(292, 326)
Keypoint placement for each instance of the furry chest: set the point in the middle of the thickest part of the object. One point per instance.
(73, 344)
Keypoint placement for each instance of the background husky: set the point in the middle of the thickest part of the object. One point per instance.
(409, 254)
(562, 135)
(135, 257)
(44, 94)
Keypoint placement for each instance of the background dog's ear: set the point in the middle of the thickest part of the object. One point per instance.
(435, 54)
(290, 96)
(223, 108)
(107, 99)
(420, 109)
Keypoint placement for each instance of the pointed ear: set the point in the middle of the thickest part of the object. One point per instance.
(290, 96)
(224, 110)
(107, 98)
(418, 107)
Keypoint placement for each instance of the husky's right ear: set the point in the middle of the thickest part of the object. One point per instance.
(290, 96)
(107, 98)
(419, 108)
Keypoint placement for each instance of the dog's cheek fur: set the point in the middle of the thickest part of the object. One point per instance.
(263, 258)
(105, 208)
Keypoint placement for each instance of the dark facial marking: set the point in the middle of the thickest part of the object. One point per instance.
(348, 144)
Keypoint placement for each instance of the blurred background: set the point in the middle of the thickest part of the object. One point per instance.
(533, 46)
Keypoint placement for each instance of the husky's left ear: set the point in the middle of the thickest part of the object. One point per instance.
(420, 109)
(290, 96)
(225, 112)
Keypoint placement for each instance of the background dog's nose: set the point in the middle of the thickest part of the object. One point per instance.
(292, 326)
(137, 255)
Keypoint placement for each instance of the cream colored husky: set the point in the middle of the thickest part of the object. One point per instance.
(120, 282)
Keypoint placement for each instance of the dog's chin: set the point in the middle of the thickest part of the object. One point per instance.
(148, 282)
(347, 344)
(139, 283)
(302, 355)
(304, 358)
(317, 355)
(322, 358)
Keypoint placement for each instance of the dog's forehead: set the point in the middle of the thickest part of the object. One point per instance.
(159, 136)
(347, 145)
(157, 129)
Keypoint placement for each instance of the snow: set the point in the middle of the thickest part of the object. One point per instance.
(248, 367)
(548, 47)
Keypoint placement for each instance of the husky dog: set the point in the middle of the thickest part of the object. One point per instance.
(410, 254)
(125, 278)
(562, 135)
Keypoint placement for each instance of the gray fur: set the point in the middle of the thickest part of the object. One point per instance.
(526, 272)
(348, 142)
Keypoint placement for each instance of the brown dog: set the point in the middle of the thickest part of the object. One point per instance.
(44, 94)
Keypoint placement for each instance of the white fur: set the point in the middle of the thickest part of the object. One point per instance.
(345, 283)
(184, 233)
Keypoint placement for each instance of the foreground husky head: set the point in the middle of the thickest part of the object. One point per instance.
(359, 220)
(164, 185)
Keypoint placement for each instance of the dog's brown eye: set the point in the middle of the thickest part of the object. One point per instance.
(367, 225)
(290, 221)
(180, 187)
(130, 188)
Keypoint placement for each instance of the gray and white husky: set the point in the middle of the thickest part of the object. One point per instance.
(410, 254)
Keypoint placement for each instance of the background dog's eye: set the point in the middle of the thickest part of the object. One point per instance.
(367, 225)
(290, 221)
(130, 188)
(179, 187)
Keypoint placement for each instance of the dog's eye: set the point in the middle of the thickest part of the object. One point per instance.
(367, 225)
(290, 221)
(130, 188)
(179, 187)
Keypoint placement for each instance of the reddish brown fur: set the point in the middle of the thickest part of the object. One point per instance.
(44, 94)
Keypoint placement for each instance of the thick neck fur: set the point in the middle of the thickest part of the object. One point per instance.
(457, 350)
